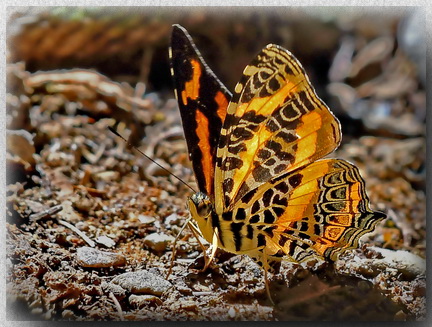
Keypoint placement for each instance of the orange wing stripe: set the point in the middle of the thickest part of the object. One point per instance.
(222, 103)
(202, 132)
(192, 87)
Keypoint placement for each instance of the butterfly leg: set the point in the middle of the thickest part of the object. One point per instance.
(175, 248)
(266, 268)
(214, 248)
(207, 259)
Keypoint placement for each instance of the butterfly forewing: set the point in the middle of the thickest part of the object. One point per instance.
(203, 101)
(275, 123)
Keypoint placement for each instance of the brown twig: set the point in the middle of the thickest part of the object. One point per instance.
(46, 213)
(117, 305)
(77, 231)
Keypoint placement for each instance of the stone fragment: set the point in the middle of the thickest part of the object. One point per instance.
(144, 219)
(117, 290)
(158, 241)
(142, 282)
(94, 258)
(105, 240)
(140, 301)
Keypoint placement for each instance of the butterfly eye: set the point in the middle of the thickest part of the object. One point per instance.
(204, 209)
(200, 204)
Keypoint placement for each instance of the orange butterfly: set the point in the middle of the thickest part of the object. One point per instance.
(264, 190)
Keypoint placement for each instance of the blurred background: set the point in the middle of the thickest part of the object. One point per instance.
(368, 64)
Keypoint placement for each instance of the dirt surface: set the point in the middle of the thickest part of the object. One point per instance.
(91, 222)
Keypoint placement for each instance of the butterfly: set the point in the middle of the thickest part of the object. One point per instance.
(257, 155)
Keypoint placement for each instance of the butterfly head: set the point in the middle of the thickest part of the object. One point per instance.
(200, 207)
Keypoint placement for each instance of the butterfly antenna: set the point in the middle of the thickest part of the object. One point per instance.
(152, 160)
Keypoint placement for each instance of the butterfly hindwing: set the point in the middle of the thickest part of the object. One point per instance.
(319, 210)
(275, 123)
(203, 101)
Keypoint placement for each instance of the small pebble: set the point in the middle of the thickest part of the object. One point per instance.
(146, 219)
(186, 305)
(105, 240)
(94, 258)
(142, 282)
(37, 311)
(184, 290)
(163, 195)
(82, 226)
(400, 316)
(107, 176)
(158, 241)
(140, 301)
(231, 312)
(35, 304)
(48, 315)
(84, 204)
(20, 144)
(172, 219)
(67, 314)
(117, 290)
